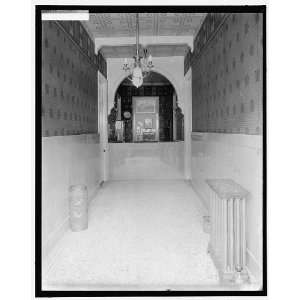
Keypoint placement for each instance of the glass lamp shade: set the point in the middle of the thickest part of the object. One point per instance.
(137, 77)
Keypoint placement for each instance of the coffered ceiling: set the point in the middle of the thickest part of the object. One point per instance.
(150, 24)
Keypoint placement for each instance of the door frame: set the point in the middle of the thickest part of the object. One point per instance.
(134, 98)
(102, 125)
(188, 124)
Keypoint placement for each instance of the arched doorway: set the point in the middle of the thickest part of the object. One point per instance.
(164, 124)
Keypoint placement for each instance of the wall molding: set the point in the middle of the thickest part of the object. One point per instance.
(71, 38)
(206, 34)
(239, 140)
(96, 60)
(144, 40)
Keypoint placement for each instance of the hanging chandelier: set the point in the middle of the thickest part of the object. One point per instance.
(141, 66)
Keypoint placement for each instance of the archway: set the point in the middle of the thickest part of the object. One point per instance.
(177, 83)
(122, 120)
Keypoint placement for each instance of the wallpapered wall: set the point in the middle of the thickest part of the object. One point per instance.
(227, 74)
(69, 79)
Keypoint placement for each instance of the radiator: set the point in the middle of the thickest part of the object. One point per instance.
(228, 223)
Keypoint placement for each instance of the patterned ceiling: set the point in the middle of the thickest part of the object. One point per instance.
(150, 24)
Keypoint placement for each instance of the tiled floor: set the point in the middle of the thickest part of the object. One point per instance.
(141, 233)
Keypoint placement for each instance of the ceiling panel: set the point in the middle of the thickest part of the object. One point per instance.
(152, 24)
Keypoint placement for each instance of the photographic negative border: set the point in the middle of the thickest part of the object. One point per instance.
(38, 150)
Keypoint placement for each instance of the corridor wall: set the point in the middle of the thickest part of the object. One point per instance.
(227, 110)
(227, 76)
(70, 139)
(69, 79)
(146, 161)
(66, 161)
(239, 157)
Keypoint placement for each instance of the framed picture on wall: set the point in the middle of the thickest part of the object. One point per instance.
(148, 124)
(144, 105)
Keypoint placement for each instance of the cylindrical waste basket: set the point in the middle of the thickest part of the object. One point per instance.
(78, 207)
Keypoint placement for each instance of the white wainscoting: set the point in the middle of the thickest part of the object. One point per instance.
(239, 157)
(134, 161)
(66, 160)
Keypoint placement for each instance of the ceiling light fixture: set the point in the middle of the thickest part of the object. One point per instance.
(141, 66)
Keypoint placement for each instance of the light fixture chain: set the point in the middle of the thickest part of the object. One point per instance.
(142, 64)
(137, 35)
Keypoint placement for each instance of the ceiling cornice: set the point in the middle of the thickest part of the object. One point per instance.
(145, 41)
(157, 50)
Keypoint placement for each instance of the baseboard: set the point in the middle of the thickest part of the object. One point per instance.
(201, 197)
(94, 192)
(254, 268)
(48, 258)
(54, 237)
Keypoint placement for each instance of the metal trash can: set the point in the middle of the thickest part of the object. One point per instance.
(78, 207)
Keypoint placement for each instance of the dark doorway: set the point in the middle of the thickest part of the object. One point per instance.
(168, 126)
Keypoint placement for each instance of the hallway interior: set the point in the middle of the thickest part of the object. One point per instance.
(145, 233)
(155, 155)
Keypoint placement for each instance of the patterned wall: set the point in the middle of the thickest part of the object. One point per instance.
(227, 74)
(69, 79)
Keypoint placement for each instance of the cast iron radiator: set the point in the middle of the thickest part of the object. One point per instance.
(228, 222)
